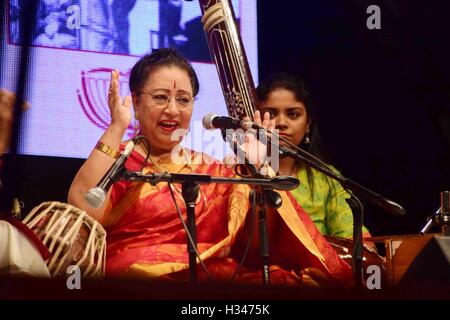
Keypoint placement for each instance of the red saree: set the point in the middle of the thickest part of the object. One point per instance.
(145, 237)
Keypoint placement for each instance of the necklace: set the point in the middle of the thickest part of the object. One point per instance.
(186, 163)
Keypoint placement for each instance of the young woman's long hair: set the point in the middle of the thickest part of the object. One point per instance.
(297, 86)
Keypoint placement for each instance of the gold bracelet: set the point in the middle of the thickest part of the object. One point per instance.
(113, 153)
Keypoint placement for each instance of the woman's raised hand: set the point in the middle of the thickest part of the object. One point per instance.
(120, 109)
(266, 122)
(255, 145)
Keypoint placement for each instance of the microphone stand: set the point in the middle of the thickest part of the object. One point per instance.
(261, 196)
(189, 191)
(431, 221)
(441, 217)
(354, 202)
(264, 195)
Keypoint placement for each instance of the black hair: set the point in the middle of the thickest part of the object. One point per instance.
(298, 87)
(164, 57)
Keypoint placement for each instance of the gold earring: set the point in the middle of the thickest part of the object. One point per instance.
(136, 127)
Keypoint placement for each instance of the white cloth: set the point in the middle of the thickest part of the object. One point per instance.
(18, 255)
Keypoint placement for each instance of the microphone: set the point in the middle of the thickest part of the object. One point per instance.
(96, 196)
(213, 121)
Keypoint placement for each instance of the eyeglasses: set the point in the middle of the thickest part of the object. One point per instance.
(162, 100)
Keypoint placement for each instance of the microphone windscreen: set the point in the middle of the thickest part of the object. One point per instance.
(95, 197)
(207, 121)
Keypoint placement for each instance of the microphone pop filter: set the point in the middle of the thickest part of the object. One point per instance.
(207, 121)
(95, 197)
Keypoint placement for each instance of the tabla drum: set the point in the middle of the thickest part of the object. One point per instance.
(72, 237)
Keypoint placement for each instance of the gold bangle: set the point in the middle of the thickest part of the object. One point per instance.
(113, 153)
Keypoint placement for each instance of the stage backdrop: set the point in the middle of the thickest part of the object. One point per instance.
(76, 45)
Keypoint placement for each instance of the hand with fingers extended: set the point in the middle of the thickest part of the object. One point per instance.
(255, 143)
(120, 109)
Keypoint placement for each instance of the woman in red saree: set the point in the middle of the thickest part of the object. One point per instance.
(145, 236)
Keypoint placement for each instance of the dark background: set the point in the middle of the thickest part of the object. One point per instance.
(383, 99)
(383, 96)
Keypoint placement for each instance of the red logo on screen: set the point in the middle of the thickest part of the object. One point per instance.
(93, 96)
